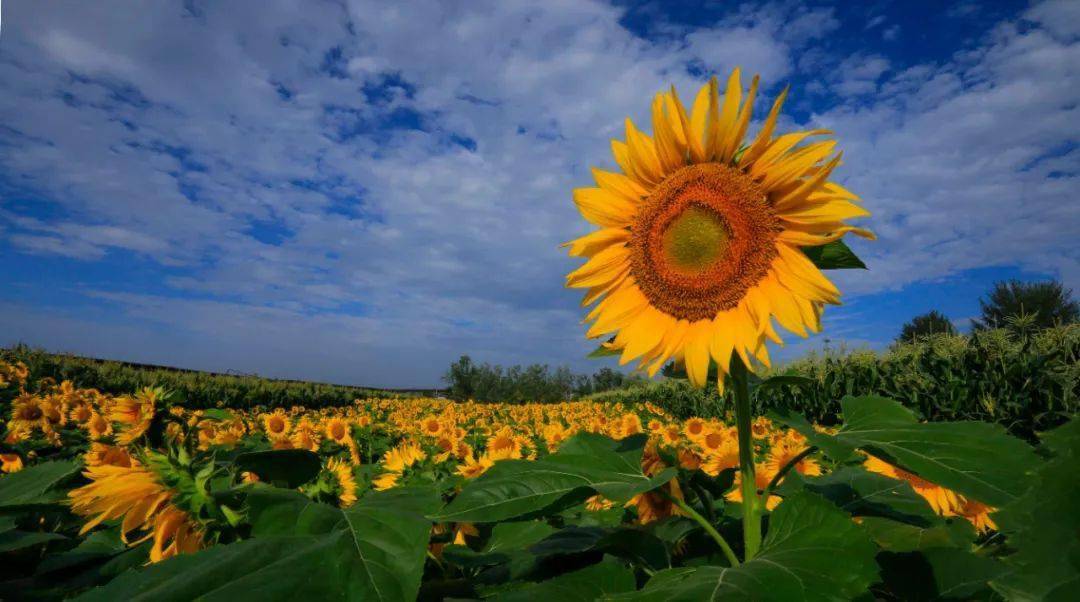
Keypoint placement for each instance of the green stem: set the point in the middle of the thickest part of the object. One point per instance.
(783, 471)
(743, 420)
(719, 539)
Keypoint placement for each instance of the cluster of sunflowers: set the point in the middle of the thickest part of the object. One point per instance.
(149, 461)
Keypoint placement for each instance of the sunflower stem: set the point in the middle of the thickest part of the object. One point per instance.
(743, 420)
(705, 524)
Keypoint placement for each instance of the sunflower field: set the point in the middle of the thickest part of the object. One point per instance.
(136, 497)
(709, 244)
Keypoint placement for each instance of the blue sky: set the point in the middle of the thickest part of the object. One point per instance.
(360, 192)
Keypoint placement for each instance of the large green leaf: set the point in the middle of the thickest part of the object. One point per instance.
(290, 467)
(584, 464)
(374, 550)
(36, 485)
(834, 256)
(864, 493)
(1043, 524)
(17, 540)
(895, 536)
(813, 551)
(605, 578)
(977, 459)
(937, 574)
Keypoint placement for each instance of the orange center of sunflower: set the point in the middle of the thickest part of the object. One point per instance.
(704, 236)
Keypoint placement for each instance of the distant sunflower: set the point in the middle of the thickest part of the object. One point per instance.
(135, 413)
(343, 474)
(701, 234)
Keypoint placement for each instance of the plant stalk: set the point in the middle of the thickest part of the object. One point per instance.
(705, 524)
(743, 421)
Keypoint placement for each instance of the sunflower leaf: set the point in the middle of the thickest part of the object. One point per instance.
(813, 551)
(1042, 526)
(291, 467)
(370, 551)
(835, 255)
(585, 464)
(36, 486)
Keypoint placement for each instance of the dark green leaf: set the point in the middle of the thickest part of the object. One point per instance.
(17, 540)
(97, 546)
(895, 536)
(864, 493)
(371, 551)
(290, 467)
(584, 464)
(1042, 525)
(219, 414)
(813, 551)
(34, 485)
(586, 585)
(834, 256)
(976, 459)
(832, 447)
(937, 574)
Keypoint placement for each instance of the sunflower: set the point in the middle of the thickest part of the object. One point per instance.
(343, 475)
(337, 430)
(701, 235)
(276, 425)
(781, 454)
(135, 493)
(134, 414)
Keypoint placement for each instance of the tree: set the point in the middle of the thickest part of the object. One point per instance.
(461, 377)
(1047, 303)
(932, 322)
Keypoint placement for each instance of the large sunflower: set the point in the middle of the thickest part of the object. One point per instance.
(701, 235)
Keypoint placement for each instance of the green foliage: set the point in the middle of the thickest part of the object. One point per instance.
(1044, 524)
(291, 467)
(813, 551)
(193, 389)
(926, 325)
(834, 256)
(536, 383)
(374, 550)
(1048, 304)
(584, 465)
(37, 485)
(1027, 384)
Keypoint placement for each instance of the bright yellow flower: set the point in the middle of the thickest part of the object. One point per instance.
(134, 414)
(134, 493)
(276, 425)
(343, 474)
(701, 236)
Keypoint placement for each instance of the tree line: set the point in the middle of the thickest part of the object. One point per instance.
(467, 379)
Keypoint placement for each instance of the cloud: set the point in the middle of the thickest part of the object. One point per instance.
(374, 188)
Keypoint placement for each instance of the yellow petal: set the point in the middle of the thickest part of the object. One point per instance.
(594, 242)
(670, 153)
(728, 115)
(602, 268)
(697, 352)
(604, 208)
(764, 137)
(800, 192)
(829, 211)
(621, 185)
(643, 154)
(704, 113)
